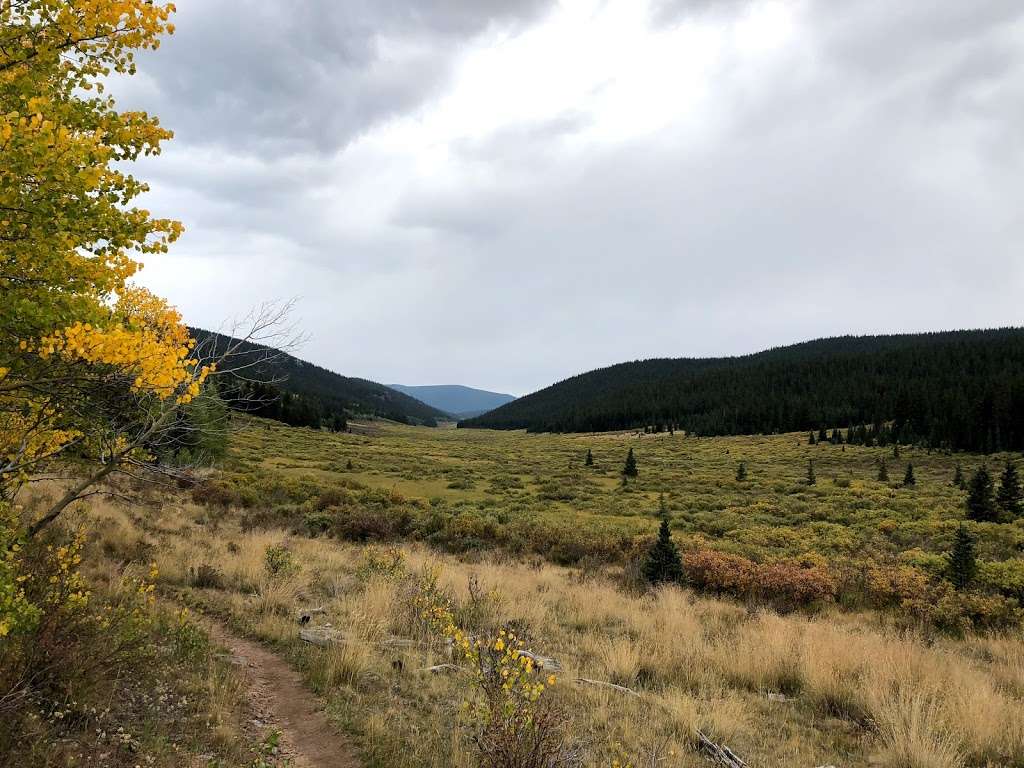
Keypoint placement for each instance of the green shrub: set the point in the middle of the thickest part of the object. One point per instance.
(279, 562)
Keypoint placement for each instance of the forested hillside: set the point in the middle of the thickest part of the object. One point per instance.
(960, 389)
(279, 386)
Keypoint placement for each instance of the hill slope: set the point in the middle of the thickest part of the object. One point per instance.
(963, 389)
(305, 394)
(460, 401)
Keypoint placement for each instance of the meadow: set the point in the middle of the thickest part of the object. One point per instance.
(464, 490)
(505, 532)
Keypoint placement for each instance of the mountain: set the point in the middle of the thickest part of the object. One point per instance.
(269, 383)
(461, 402)
(958, 389)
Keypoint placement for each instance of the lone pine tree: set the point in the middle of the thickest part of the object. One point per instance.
(630, 470)
(961, 564)
(958, 478)
(663, 564)
(980, 503)
(741, 471)
(811, 478)
(1010, 498)
(883, 471)
(908, 476)
(589, 461)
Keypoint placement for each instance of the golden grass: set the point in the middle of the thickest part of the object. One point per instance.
(859, 692)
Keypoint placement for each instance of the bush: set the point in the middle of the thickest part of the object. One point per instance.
(279, 562)
(206, 576)
(785, 584)
(318, 523)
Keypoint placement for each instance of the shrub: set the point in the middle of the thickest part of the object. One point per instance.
(389, 563)
(788, 584)
(318, 523)
(719, 572)
(206, 576)
(1005, 577)
(279, 562)
(512, 722)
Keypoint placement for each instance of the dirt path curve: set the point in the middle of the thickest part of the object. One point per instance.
(280, 700)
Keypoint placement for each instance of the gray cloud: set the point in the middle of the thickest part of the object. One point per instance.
(861, 176)
(308, 76)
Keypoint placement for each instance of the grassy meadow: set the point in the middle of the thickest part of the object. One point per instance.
(501, 478)
(513, 531)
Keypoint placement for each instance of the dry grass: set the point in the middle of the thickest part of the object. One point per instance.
(859, 692)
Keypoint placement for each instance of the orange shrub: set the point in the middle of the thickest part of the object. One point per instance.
(719, 572)
(789, 584)
(786, 584)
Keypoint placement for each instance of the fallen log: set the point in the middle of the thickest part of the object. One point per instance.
(324, 637)
(719, 753)
(440, 668)
(604, 684)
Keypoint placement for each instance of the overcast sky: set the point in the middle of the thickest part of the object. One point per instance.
(503, 193)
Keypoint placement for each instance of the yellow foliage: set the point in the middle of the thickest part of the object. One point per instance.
(71, 328)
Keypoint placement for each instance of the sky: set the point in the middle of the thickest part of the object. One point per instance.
(504, 193)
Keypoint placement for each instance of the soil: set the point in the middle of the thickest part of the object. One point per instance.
(279, 700)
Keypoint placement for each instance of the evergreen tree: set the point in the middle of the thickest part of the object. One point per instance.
(589, 461)
(1010, 498)
(895, 450)
(961, 564)
(958, 478)
(663, 564)
(908, 477)
(630, 470)
(883, 471)
(811, 478)
(741, 471)
(822, 435)
(980, 504)
(810, 439)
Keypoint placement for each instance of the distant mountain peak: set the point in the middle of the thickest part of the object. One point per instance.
(456, 399)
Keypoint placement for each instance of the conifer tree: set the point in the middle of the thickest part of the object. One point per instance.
(630, 470)
(961, 564)
(958, 478)
(1009, 498)
(980, 504)
(810, 439)
(589, 461)
(883, 471)
(811, 478)
(741, 471)
(895, 450)
(822, 435)
(908, 477)
(663, 564)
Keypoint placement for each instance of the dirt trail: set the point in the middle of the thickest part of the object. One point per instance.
(279, 700)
